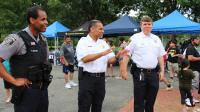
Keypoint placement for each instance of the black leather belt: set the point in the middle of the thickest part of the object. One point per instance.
(100, 74)
(35, 85)
(147, 70)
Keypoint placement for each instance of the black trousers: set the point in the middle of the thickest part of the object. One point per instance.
(91, 93)
(145, 91)
(185, 93)
(33, 100)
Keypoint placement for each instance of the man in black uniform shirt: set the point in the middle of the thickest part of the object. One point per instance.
(193, 56)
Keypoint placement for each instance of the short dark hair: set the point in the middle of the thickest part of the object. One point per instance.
(146, 19)
(93, 23)
(33, 12)
(66, 36)
(173, 41)
(184, 63)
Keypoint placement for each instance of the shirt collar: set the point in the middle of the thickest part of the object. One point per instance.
(90, 38)
(31, 34)
(146, 36)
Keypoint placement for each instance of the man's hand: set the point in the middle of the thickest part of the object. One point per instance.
(124, 75)
(161, 75)
(63, 61)
(122, 53)
(107, 51)
(22, 82)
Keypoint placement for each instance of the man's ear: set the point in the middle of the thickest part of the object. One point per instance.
(91, 29)
(32, 20)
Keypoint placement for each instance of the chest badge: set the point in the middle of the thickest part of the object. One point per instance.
(32, 43)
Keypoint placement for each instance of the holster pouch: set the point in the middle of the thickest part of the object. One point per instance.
(17, 95)
(47, 81)
(133, 67)
(157, 69)
(47, 77)
(80, 73)
(40, 74)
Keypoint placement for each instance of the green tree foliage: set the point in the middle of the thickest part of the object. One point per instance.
(73, 13)
(157, 9)
(12, 15)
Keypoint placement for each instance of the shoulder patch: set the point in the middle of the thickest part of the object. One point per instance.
(10, 39)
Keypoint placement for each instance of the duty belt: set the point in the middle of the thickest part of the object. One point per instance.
(35, 85)
(100, 74)
(147, 70)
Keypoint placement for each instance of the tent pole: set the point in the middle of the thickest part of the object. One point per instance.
(54, 59)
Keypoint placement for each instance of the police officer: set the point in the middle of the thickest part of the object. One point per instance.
(93, 55)
(147, 50)
(27, 51)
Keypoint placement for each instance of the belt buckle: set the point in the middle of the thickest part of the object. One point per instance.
(40, 85)
(148, 70)
(98, 75)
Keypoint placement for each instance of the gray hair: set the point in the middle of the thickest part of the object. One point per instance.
(93, 23)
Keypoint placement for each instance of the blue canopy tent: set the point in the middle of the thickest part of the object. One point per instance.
(53, 30)
(123, 26)
(175, 23)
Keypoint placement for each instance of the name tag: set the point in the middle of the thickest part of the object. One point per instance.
(34, 50)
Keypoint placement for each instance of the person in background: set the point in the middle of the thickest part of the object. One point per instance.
(185, 76)
(167, 83)
(110, 66)
(67, 59)
(7, 85)
(122, 46)
(192, 54)
(173, 53)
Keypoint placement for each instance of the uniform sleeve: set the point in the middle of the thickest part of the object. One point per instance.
(81, 49)
(130, 47)
(11, 45)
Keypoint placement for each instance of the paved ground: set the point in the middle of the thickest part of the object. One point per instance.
(118, 96)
